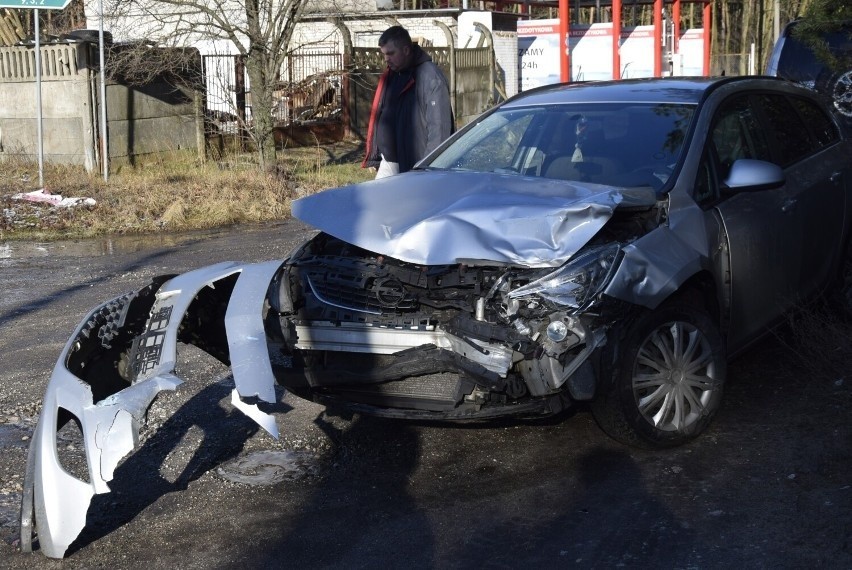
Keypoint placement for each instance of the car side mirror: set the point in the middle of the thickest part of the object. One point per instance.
(749, 175)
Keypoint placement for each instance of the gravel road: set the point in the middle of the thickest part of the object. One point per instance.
(768, 486)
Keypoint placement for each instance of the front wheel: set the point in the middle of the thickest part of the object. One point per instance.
(666, 380)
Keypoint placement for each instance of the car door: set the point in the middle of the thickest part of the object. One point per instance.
(808, 146)
(759, 231)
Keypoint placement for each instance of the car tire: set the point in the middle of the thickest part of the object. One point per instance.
(838, 88)
(666, 379)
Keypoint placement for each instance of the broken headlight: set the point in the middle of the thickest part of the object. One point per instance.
(576, 283)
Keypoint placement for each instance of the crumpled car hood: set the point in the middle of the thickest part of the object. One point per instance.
(441, 217)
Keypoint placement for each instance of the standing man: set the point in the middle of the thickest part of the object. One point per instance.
(411, 112)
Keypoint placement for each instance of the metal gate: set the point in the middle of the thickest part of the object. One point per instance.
(309, 89)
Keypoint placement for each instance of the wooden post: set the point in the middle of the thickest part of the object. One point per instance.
(200, 135)
(240, 98)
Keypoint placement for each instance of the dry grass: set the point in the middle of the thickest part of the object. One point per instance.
(173, 194)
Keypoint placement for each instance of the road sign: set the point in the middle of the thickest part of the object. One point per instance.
(35, 4)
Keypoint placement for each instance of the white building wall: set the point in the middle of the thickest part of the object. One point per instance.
(317, 35)
(506, 53)
(425, 28)
(505, 47)
(365, 31)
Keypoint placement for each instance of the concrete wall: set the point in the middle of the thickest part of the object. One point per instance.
(476, 77)
(156, 118)
(68, 134)
(503, 31)
(149, 120)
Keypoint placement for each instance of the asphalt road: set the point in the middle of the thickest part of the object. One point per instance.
(769, 486)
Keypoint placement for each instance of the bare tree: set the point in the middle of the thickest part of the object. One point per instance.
(258, 30)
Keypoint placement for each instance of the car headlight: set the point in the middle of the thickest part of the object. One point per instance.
(576, 283)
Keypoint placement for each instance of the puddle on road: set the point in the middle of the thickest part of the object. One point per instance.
(270, 467)
(12, 251)
(18, 255)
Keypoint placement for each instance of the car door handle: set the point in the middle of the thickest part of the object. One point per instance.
(836, 177)
(789, 205)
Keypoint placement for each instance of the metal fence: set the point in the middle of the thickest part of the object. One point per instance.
(309, 88)
(225, 102)
(312, 82)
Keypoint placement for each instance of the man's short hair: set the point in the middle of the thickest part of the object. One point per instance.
(397, 35)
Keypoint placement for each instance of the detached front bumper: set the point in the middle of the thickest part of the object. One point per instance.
(144, 326)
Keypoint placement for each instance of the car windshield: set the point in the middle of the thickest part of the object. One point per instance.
(619, 144)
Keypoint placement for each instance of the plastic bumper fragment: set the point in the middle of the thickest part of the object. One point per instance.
(55, 501)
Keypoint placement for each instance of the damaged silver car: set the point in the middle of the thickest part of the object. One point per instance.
(611, 243)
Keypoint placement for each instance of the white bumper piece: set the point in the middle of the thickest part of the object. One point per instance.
(58, 500)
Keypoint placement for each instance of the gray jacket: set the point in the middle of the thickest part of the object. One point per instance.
(425, 115)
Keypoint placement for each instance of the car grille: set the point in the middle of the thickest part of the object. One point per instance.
(360, 292)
